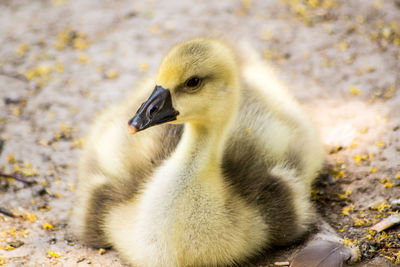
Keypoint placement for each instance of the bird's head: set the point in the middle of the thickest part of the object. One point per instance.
(197, 82)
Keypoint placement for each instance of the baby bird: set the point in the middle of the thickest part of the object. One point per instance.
(225, 174)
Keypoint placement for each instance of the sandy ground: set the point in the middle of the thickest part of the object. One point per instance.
(62, 61)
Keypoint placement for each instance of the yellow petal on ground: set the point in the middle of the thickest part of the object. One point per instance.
(64, 38)
(378, 4)
(329, 4)
(354, 90)
(346, 210)
(53, 255)
(348, 243)
(30, 74)
(22, 49)
(389, 185)
(380, 143)
(143, 67)
(367, 69)
(329, 62)
(313, 3)
(154, 29)
(83, 58)
(16, 111)
(59, 67)
(73, 110)
(371, 232)
(343, 46)
(111, 74)
(77, 143)
(11, 158)
(384, 205)
(360, 19)
(247, 3)
(358, 158)
(268, 54)
(267, 35)
(44, 69)
(71, 187)
(359, 222)
(58, 2)
(47, 226)
(30, 217)
(386, 33)
(389, 92)
(349, 60)
(345, 195)
(80, 43)
(301, 10)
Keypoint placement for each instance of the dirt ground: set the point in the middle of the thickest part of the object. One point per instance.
(62, 61)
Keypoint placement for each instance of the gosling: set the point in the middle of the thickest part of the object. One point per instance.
(224, 174)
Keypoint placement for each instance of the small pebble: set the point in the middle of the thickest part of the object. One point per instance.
(281, 263)
(386, 223)
(16, 244)
(395, 202)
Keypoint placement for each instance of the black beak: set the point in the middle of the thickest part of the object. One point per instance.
(157, 109)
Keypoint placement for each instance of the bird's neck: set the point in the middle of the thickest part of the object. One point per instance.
(201, 149)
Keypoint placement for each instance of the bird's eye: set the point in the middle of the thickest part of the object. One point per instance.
(193, 82)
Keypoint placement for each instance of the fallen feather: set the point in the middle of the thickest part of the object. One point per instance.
(323, 253)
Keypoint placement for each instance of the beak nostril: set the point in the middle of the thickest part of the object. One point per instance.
(152, 110)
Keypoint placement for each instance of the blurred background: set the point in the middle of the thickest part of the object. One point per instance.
(62, 61)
